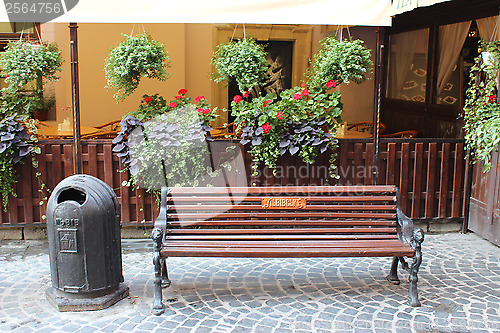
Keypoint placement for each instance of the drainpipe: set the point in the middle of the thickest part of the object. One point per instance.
(75, 97)
(377, 100)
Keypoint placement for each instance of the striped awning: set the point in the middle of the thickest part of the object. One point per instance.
(401, 6)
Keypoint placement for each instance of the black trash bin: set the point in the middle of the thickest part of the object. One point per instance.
(83, 227)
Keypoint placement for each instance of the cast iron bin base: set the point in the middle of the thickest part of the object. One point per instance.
(80, 302)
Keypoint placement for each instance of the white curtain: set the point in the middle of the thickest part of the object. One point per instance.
(404, 49)
(489, 28)
(451, 41)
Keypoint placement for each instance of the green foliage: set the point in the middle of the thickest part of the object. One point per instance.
(244, 60)
(482, 110)
(341, 61)
(303, 120)
(24, 62)
(136, 57)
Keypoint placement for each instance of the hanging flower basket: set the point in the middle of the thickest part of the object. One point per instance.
(136, 57)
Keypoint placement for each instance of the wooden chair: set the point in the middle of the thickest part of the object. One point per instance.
(403, 134)
(221, 132)
(366, 126)
(108, 130)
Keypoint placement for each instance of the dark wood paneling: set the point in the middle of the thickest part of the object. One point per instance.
(428, 172)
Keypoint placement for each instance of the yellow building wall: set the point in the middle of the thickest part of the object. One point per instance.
(190, 47)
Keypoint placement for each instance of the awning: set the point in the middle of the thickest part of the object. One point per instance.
(336, 12)
(401, 6)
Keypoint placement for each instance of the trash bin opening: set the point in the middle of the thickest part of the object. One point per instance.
(72, 194)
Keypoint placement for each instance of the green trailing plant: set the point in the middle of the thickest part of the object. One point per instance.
(24, 62)
(342, 61)
(136, 57)
(244, 60)
(165, 143)
(15, 143)
(302, 121)
(482, 109)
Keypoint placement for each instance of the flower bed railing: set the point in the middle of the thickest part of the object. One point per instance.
(430, 174)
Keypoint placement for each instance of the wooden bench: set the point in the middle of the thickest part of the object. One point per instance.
(304, 221)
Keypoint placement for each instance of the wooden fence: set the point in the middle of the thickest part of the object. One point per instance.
(430, 174)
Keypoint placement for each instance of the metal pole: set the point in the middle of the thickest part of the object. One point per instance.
(75, 96)
(377, 101)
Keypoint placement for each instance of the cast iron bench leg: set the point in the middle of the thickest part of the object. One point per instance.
(157, 236)
(165, 281)
(418, 238)
(393, 275)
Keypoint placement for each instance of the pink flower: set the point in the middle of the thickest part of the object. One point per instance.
(303, 85)
(200, 110)
(237, 99)
(182, 92)
(246, 93)
(297, 96)
(178, 97)
(266, 127)
(267, 101)
(173, 105)
(199, 98)
(206, 111)
(492, 99)
(305, 92)
(331, 84)
(280, 115)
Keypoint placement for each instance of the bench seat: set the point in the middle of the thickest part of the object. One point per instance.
(284, 222)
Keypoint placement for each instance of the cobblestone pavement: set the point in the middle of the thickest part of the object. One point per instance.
(459, 288)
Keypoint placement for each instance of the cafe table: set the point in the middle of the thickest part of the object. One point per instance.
(353, 134)
(55, 132)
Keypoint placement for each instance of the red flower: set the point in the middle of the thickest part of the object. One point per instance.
(237, 99)
(148, 99)
(173, 105)
(204, 111)
(492, 99)
(305, 92)
(331, 84)
(246, 93)
(6, 76)
(267, 101)
(199, 98)
(266, 127)
(178, 97)
(297, 96)
(182, 91)
(200, 110)
(280, 115)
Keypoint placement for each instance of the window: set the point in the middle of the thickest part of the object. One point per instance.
(407, 74)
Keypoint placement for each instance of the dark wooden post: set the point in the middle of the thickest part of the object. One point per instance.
(75, 96)
(377, 100)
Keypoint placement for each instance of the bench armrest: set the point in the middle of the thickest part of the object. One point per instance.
(161, 220)
(406, 231)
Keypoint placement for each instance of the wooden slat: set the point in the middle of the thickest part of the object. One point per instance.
(56, 166)
(182, 208)
(417, 180)
(443, 184)
(284, 237)
(458, 178)
(124, 197)
(358, 154)
(283, 190)
(307, 222)
(403, 173)
(391, 163)
(369, 164)
(431, 177)
(42, 169)
(286, 253)
(352, 230)
(200, 199)
(253, 244)
(295, 214)
(92, 149)
(68, 161)
(27, 200)
(108, 165)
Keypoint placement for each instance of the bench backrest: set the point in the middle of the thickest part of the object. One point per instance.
(360, 212)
